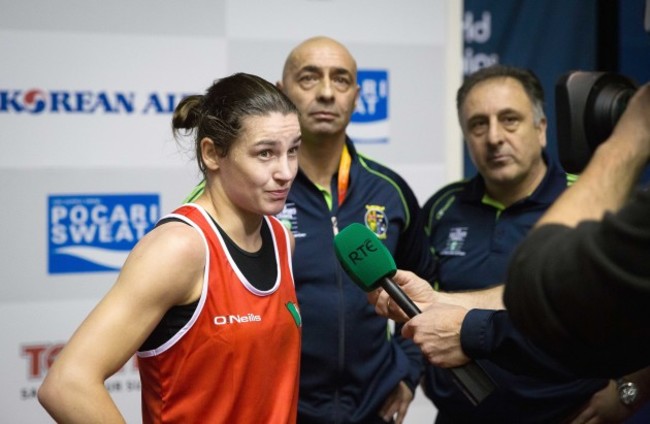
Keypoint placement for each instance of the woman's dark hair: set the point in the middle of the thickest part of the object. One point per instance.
(218, 114)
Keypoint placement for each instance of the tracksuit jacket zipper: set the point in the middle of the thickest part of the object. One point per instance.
(341, 358)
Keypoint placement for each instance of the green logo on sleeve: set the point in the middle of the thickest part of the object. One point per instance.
(295, 313)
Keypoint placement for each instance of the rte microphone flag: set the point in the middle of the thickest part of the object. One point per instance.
(367, 261)
(370, 265)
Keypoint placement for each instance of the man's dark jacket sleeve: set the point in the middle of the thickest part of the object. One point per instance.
(583, 294)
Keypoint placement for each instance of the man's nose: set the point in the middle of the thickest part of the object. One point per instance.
(325, 90)
(495, 132)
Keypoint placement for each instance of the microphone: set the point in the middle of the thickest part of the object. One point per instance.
(370, 265)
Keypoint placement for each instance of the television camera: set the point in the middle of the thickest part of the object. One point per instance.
(588, 106)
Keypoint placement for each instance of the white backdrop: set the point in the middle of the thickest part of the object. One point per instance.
(86, 91)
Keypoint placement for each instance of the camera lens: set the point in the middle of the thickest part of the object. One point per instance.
(605, 105)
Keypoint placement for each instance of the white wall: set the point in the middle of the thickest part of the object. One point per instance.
(108, 75)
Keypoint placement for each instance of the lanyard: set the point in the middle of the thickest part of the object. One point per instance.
(344, 173)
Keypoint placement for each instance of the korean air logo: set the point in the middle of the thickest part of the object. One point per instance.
(370, 122)
(36, 101)
(91, 233)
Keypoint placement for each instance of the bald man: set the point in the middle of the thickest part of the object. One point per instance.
(353, 369)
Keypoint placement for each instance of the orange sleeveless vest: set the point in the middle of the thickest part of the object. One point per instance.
(237, 359)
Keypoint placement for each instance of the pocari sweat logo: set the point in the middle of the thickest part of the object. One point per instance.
(369, 122)
(90, 233)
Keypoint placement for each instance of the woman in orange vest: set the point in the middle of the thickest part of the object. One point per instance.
(206, 299)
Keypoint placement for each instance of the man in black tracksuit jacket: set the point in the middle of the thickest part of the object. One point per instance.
(350, 363)
(353, 370)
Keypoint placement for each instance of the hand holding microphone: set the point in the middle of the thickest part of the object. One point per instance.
(417, 289)
(370, 265)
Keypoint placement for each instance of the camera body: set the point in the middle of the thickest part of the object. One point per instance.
(588, 105)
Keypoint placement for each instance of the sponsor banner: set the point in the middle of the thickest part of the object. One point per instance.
(100, 102)
(370, 123)
(86, 108)
(62, 227)
(90, 233)
(34, 333)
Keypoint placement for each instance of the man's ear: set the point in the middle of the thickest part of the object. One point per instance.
(210, 154)
(541, 129)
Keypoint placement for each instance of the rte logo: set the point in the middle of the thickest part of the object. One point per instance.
(361, 251)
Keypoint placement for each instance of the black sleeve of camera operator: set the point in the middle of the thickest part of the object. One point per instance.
(583, 294)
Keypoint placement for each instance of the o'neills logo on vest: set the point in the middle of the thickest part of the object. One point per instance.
(236, 319)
